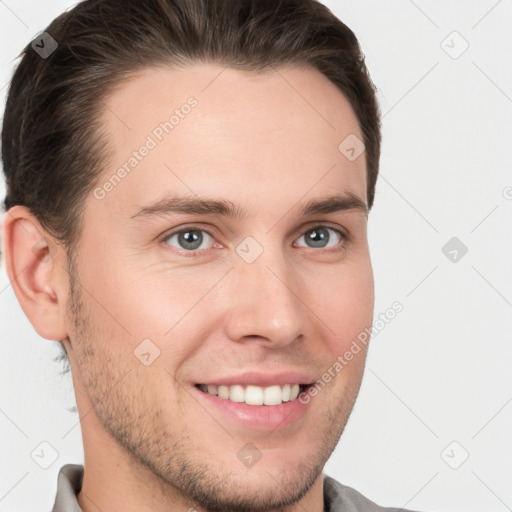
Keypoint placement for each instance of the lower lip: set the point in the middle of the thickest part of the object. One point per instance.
(262, 417)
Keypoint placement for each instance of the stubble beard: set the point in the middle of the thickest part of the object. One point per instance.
(172, 458)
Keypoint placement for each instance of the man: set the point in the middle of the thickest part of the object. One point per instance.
(188, 184)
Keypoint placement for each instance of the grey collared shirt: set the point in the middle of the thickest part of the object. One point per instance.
(337, 497)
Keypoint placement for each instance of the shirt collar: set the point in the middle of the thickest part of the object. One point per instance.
(69, 483)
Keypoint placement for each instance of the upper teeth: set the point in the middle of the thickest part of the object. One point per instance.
(254, 395)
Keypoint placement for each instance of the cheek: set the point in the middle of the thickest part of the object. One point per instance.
(132, 304)
(133, 301)
(345, 307)
(347, 314)
(343, 298)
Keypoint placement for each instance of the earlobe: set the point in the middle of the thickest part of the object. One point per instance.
(32, 259)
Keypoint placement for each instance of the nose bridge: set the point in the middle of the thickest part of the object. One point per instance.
(265, 303)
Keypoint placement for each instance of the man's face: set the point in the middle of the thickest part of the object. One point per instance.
(271, 292)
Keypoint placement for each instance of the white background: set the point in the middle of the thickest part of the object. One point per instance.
(438, 373)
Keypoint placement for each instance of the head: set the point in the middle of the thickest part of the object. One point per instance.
(187, 200)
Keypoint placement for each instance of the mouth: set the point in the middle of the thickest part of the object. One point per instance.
(270, 408)
(255, 395)
(257, 400)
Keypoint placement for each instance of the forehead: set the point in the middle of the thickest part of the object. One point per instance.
(220, 131)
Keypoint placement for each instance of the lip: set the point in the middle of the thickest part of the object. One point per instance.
(253, 378)
(255, 417)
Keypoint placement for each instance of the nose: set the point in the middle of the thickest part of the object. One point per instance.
(265, 303)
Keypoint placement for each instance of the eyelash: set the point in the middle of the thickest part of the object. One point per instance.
(199, 252)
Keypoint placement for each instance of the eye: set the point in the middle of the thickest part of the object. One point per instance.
(190, 239)
(194, 240)
(320, 237)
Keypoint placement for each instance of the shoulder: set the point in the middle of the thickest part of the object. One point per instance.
(341, 498)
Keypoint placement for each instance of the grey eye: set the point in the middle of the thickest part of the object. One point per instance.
(189, 239)
(319, 237)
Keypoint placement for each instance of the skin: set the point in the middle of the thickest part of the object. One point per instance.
(254, 140)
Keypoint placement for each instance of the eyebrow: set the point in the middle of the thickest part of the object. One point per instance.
(225, 208)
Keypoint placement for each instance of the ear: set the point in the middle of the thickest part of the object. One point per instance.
(37, 274)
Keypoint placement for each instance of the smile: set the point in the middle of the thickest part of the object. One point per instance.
(255, 395)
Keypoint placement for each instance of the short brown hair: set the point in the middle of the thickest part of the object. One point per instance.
(52, 146)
